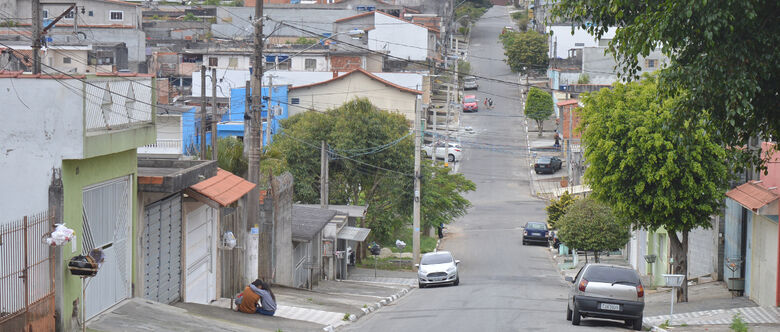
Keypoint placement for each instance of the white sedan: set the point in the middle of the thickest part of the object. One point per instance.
(454, 153)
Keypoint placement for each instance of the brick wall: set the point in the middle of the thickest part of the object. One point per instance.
(345, 63)
(566, 112)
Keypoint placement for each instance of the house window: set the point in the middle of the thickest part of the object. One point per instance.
(579, 44)
(91, 13)
(213, 62)
(233, 62)
(295, 101)
(69, 15)
(45, 14)
(115, 15)
(651, 63)
(310, 64)
(66, 60)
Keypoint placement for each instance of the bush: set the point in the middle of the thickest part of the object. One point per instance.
(558, 208)
(583, 79)
(737, 324)
(592, 226)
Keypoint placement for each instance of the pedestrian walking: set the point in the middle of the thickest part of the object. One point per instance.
(440, 230)
(485, 102)
(490, 103)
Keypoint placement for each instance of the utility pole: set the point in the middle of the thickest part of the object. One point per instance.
(269, 111)
(214, 114)
(324, 176)
(449, 109)
(255, 142)
(419, 126)
(36, 34)
(203, 112)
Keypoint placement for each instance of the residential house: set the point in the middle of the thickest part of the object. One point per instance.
(93, 21)
(358, 83)
(566, 36)
(752, 235)
(343, 231)
(70, 148)
(234, 22)
(308, 250)
(600, 66)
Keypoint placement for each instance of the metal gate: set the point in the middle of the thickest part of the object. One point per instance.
(26, 275)
(107, 225)
(162, 250)
(301, 258)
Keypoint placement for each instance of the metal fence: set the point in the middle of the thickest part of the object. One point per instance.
(27, 274)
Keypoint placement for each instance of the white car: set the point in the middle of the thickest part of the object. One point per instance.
(437, 268)
(454, 153)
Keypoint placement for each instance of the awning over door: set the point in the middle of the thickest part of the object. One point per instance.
(755, 197)
(221, 189)
(353, 233)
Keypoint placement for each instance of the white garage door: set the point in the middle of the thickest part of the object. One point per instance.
(106, 208)
(201, 256)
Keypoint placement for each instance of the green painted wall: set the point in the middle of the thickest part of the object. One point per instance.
(77, 174)
(658, 244)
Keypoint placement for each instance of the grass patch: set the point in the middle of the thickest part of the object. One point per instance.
(664, 325)
(389, 263)
(738, 325)
(427, 243)
(346, 316)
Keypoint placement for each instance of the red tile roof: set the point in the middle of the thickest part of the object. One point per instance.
(567, 102)
(223, 188)
(20, 74)
(25, 56)
(353, 17)
(752, 195)
(386, 14)
(370, 75)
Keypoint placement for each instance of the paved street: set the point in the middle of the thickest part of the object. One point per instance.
(504, 286)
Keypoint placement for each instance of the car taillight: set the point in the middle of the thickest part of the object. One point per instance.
(458, 150)
(583, 285)
(640, 291)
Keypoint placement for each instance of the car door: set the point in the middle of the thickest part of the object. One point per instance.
(440, 150)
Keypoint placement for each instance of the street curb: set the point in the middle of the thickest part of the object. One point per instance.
(374, 307)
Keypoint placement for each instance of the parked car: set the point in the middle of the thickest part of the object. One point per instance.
(470, 82)
(535, 231)
(470, 103)
(606, 291)
(437, 268)
(454, 153)
(547, 165)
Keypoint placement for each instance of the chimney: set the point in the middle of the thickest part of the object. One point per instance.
(335, 73)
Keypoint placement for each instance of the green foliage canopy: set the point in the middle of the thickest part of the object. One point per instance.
(559, 207)
(539, 107)
(591, 225)
(525, 51)
(648, 170)
(724, 57)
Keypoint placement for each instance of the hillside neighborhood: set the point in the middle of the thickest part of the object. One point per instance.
(563, 165)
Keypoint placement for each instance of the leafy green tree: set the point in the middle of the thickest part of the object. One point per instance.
(526, 52)
(230, 155)
(464, 68)
(539, 107)
(650, 170)
(371, 164)
(558, 208)
(592, 226)
(305, 41)
(723, 57)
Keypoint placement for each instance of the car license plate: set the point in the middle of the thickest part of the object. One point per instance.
(610, 306)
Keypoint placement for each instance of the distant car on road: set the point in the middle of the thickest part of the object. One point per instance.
(454, 153)
(606, 291)
(547, 165)
(470, 82)
(470, 103)
(437, 268)
(535, 231)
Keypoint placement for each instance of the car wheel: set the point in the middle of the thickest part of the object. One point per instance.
(456, 282)
(420, 285)
(638, 324)
(575, 316)
(451, 158)
(568, 313)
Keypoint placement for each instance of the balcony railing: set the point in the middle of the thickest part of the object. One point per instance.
(117, 104)
(162, 146)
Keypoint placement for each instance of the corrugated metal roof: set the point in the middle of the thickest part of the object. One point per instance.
(354, 233)
(752, 195)
(308, 221)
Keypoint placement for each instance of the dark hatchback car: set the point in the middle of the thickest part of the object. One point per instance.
(547, 165)
(606, 291)
(535, 232)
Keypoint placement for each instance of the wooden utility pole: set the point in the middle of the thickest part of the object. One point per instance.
(324, 175)
(214, 115)
(449, 108)
(269, 111)
(36, 35)
(203, 112)
(256, 144)
(419, 126)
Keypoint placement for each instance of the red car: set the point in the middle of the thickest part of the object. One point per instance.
(470, 103)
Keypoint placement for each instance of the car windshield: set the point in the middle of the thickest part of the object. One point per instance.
(469, 100)
(537, 226)
(436, 259)
(470, 79)
(611, 274)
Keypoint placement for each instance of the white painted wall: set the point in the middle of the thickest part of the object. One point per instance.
(298, 63)
(408, 41)
(223, 61)
(563, 40)
(42, 124)
(763, 260)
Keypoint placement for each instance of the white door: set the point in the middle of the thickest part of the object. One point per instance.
(107, 214)
(201, 255)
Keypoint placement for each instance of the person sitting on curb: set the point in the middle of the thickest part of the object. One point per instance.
(258, 290)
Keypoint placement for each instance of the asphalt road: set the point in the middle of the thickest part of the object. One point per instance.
(504, 286)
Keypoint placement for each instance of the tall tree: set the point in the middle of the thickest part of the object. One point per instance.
(650, 170)
(526, 52)
(592, 226)
(723, 54)
(539, 107)
(371, 162)
(559, 207)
